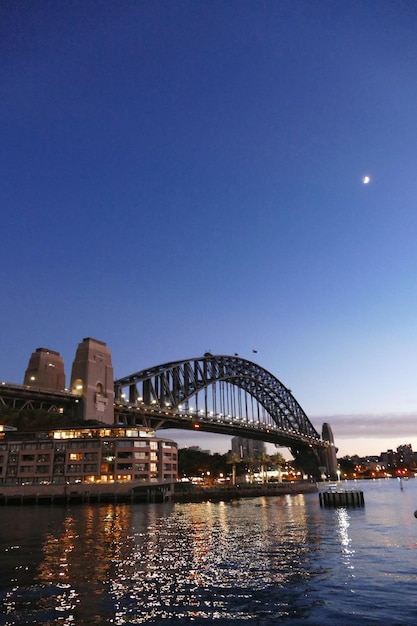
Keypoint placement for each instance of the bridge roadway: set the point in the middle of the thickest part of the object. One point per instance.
(157, 419)
(24, 398)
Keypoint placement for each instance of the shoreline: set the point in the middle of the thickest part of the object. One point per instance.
(95, 494)
(239, 492)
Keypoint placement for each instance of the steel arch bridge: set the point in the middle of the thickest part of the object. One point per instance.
(220, 394)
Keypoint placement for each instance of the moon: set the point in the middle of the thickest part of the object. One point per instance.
(366, 180)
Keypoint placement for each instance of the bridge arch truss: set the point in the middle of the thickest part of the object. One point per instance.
(216, 393)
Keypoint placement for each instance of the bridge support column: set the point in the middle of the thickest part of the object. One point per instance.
(92, 379)
(307, 459)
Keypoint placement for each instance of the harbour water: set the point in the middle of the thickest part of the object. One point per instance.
(263, 561)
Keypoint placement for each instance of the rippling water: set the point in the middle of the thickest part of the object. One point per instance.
(259, 561)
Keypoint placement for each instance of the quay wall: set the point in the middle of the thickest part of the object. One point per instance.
(56, 494)
(139, 492)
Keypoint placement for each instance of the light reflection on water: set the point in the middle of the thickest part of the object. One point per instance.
(215, 561)
(256, 561)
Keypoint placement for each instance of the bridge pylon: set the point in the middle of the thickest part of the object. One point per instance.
(329, 454)
(92, 379)
(45, 370)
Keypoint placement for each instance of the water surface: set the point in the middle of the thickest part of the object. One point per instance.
(281, 559)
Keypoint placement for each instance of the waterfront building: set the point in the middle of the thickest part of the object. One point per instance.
(389, 459)
(102, 460)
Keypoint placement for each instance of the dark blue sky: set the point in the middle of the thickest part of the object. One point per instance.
(186, 176)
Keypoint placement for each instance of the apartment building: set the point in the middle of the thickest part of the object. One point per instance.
(90, 456)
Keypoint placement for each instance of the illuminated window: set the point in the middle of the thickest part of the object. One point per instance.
(92, 479)
(77, 387)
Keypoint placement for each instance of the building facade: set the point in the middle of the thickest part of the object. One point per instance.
(93, 457)
(248, 449)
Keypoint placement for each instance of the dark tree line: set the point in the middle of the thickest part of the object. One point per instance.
(35, 420)
(192, 462)
(196, 462)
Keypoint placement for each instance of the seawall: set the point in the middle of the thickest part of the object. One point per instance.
(84, 493)
(128, 492)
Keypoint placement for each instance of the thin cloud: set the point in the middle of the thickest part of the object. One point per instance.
(371, 426)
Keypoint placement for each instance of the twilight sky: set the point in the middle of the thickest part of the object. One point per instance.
(184, 176)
